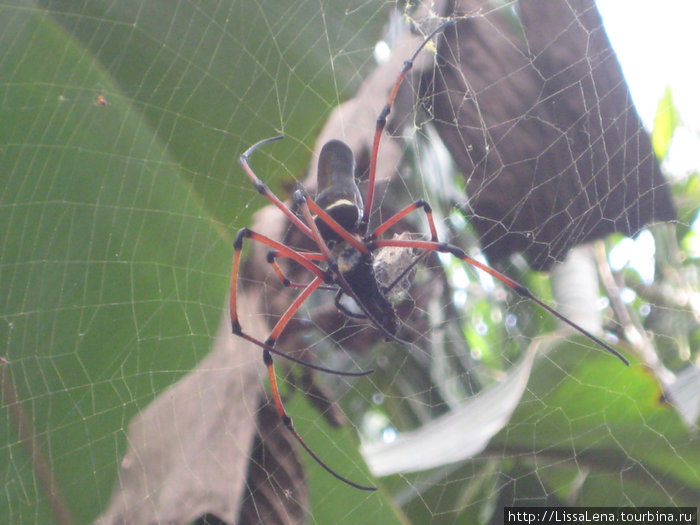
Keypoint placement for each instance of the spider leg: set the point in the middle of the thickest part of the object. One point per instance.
(510, 283)
(290, 427)
(417, 205)
(291, 310)
(420, 204)
(246, 233)
(381, 124)
(272, 257)
(269, 364)
(235, 323)
(262, 188)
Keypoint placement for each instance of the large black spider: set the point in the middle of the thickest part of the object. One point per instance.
(337, 222)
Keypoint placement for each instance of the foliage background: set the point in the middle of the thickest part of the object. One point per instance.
(117, 222)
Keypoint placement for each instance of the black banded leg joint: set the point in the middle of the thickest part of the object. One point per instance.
(425, 205)
(236, 327)
(299, 197)
(448, 248)
(267, 357)
(381, 119)
(261, 187)
(238, 241)
(521, 290)
(271, 256)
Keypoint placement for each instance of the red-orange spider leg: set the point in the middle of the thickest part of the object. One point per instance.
(419, 204)
(272, 257)
(262, 188)
(267, 359)
(510, 283)
(381, 122)
(291, 310)
(246, 233)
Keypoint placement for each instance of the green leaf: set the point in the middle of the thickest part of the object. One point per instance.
(120, 194)
(112, 274)
(665, 123)
(588, 431)
(587, 414)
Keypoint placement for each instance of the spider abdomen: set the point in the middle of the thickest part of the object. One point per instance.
(338, 193)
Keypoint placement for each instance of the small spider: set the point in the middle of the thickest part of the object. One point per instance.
(337, 221)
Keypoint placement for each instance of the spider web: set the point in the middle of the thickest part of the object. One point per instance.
(123, 391)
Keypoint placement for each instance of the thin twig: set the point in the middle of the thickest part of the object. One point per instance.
(632, 327)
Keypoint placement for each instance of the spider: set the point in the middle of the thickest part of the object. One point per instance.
(337, 221)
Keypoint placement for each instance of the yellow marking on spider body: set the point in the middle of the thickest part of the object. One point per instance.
(340, 202)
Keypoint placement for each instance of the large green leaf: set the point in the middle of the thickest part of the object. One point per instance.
(120, 125)
(112, 272)
(588, 431)
(585, 412)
